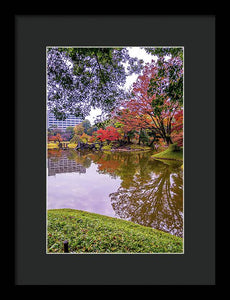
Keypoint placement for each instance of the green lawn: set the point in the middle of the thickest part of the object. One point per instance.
(89, 232)
(170, 154)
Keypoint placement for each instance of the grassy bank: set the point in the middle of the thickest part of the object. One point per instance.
(170, 153)
(89, 232)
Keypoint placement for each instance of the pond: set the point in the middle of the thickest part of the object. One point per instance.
(126, 185)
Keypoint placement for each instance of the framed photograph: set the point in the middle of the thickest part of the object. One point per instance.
(112, 114)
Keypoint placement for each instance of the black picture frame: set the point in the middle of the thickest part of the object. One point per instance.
(32, 33)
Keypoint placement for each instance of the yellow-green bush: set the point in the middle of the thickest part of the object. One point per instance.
(52, 146)
(107, 147)
(72, 145)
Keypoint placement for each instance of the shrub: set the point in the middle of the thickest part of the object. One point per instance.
(72, 145)
(107, 147)
(97, 146)
(84, 138)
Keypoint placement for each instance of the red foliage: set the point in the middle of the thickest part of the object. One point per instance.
(58, 137)
(109, 134)
(51, 138)
(177, 128)
(149, 111)
(55, 138)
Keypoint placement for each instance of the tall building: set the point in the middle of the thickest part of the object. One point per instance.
(70, 121)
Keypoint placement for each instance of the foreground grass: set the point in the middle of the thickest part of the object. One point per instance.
(90, 232)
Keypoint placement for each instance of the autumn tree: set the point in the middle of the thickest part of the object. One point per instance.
(58, 137)
(51, 138)
(84, 138)
(177, 128)
(109, 134)
(78, 131)
(151, 106)
(170, 66)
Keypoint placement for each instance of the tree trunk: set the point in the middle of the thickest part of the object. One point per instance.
(139, 141)
(151, 144)
(168, 140)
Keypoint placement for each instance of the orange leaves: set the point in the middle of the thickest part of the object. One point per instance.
(150, 106)
(92, 139)
(51, 138)
(56, 137)
(85, 138)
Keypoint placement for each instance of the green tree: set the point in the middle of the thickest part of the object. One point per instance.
(92, 129)
(166, 51)
(81, 78)
(86, 124)
(69, 129)
(172, 68)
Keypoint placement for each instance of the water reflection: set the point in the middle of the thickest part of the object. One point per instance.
(60, 163)
(149, 192)
(154, 199)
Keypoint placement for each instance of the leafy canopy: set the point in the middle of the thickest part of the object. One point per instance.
(81, 78)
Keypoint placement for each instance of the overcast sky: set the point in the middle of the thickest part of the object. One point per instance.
(134, 52)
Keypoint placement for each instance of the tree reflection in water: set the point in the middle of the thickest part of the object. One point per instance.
(151, 191)
(156, 202)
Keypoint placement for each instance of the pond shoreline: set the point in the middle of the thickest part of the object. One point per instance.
(165, 158)
(168, 154)
(128, 150)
